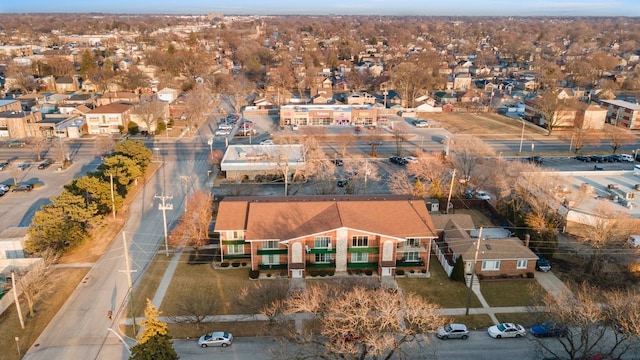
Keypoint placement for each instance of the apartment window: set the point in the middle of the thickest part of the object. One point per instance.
(271, 244)
(236, 249)
(321, 242)
(271, 259)
(236, 235)
(323, 258)
(359, 257)
(413, 242)
(412, 256)
(522, 264)
(491, 265)
(360, 241)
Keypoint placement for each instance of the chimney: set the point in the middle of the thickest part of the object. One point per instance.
(527, 238)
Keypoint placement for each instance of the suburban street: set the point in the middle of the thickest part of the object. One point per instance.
(81, 329)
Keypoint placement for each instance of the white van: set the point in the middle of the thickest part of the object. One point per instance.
(626, 157)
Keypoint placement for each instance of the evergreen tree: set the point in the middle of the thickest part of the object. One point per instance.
(458, 270)
(153, 342)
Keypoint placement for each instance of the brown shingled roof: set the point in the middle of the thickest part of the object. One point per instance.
(291, 217)
(115, 108)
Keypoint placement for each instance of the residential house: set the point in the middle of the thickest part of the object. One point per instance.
(168, 95)
(67, 84)
(361, 99)
(591, 116)
(495, 257)
(462, 82)
(108, 119)
(301, 234)
(118, 96)
(10, 105)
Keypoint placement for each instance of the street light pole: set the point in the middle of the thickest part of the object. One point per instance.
(453, 176)
(18, 344)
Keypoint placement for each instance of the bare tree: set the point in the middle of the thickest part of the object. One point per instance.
(591, 319)
(193, 228)
(433, 170)
(103, 145)
(468, 152)
(34, 282)
(618, 137)
(359, 322)
(38, 145)
(151, 112)
(196, 306)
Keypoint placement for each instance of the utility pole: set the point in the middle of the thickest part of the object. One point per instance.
(185, 183)
(453, 177)
(130, 282)
(473, 271)
(164, 207)
(15, 297)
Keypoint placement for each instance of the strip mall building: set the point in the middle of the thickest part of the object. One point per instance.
(327, 115)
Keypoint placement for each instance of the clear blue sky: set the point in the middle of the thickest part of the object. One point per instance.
(338, 7)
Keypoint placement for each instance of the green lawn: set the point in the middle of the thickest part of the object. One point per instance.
(439, 289)
(525, 319)
(473, 322)
(518, 292)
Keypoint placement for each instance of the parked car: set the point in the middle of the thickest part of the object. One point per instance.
(17, 143)
(3, 165)
(4, 187)
(410, 159)
(482, 195)
(221, 132)
(233, 117)
(542, 264)
(45, 164)
(225, 126)
(23, 188)
(375, 142)
(596, 158)
(267, 142)
(295, 127)
(535, 159)
(338, 162)
(398, 160)
(613, 158)
(505, 330)
(358, 128)
(583, 158)
(24, 166)
(342, 182)
(216, 338)
(548, 329)
(626, 157)
(2, 192)
(453, 331)
(420, 123)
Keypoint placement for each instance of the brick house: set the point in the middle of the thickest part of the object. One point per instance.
(300, 234)
(496, 257)
(107, 119)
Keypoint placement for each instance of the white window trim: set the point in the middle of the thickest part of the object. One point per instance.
(321, 238)
(233, 247)
(327, 258)
(524, 261)
(413, 253)
(493, 262)
(364, 238)
(273, 259)
(354, 257)
(271, 245)
(416, 241)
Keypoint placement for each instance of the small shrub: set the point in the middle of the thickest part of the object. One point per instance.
(254, 274)
(244, 264)
(224, 265)
(504, 276)
(235, 264)
(268, 275)
(424, 271)
(412, 271)
(530, 275)
(400, 272)
(368, 272)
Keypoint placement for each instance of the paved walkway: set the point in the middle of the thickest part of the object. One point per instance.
(547, 280)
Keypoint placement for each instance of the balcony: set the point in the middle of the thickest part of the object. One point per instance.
(236, 256)
(411, 263)
(363, 250)
(363, 265)
(328, 265)
(233, 242)
(272, 251)
(272, 267)
(322, 251)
